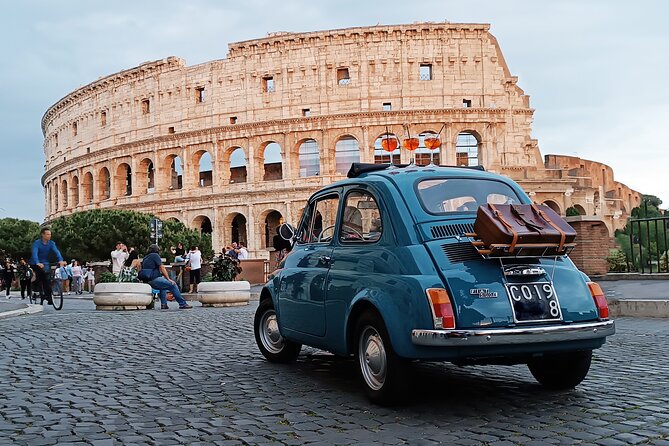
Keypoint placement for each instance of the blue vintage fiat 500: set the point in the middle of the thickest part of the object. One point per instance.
(382, 269)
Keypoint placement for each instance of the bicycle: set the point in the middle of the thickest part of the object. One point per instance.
(56, 293)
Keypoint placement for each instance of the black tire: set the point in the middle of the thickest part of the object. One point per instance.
(57, 297)
(561, 371)
(383, 372)
(273, 346)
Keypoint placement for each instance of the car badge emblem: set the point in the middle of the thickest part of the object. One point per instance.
(483, 292)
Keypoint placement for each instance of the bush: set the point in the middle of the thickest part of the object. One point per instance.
(571, 212)
(225, 268)
(107, 277)
(664, 268)
(617, 261)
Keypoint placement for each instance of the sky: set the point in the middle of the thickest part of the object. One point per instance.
(595, 70)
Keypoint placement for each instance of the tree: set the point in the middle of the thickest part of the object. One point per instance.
(16, 237)
(92, 235)
(644, 241)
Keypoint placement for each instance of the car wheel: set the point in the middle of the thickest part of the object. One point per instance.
(272, 345)
(382, 371)
(561, 371)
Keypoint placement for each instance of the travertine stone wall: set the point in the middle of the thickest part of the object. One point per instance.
(287, 88)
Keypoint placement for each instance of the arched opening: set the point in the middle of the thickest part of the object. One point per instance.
(203, 224)
(423, 153)
(104, 184)
(56, 204)
(75, 191)
(87, 187)
(580, 209)
(347, 152)
(467, 149)
(205, 169)
(146, 177)
(272, 162)
(63, 190)
(238, 229)
(124, 180)
(173, 219)
(597, 203)
(553, 205)
(175, 180)
(273, 220)
(238, 166)
(310, 158)
(387, 149)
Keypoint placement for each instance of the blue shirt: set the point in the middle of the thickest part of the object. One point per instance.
(40, 253)
(152, 262)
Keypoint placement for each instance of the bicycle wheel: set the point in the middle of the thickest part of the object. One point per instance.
(57, 296)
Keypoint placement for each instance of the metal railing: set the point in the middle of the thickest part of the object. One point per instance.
(648, 241)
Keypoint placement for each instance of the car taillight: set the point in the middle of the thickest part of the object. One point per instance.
(600, 300)
(442, 309)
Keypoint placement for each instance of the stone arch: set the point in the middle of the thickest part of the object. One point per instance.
(87, 187)
(270, 220)
(347, 151)
(272, 161)
(75, 190)
(205, 168)
(580, 209)
(176, 219)
(174, 168)
(203, 224)
(235, 228)
(63, 191)
(309, 157)
(123, 180)
(56, 203)
(104, 184)
(382, 143)
(425, 155)
(468, 148)
(553, 205)
(146, 176)
(236, 158)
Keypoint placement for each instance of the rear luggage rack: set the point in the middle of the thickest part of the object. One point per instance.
(519, 250)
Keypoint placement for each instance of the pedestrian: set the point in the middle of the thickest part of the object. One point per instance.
(90, 278)
(194, 258)
(68, 282)
(155, 274)
(232, 251)
(242, 253)
(77, 278)
(119, 256)
(8, 276)
(281, 246)
(179, 252)
(60, 276)
(39, 260)
(25, 278)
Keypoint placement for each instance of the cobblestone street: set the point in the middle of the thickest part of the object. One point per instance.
(170, 377)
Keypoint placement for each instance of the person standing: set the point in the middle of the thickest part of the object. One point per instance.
(77, 278)
(39, 259)
(119, 256)
(8, 276)
(155, 274)
(25, 278)
(90, 278)
(194, 258)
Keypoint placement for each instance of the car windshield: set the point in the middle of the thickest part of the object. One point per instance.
(443, 196)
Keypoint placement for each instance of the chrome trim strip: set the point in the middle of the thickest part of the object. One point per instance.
(510, 336)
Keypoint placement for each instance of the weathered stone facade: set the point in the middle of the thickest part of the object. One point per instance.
(300, 108)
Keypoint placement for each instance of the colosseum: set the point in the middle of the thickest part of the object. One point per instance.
(235, 146)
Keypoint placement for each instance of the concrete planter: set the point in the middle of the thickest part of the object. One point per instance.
(122, 296)
(224, 294)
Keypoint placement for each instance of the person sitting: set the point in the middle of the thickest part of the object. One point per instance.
(155, 274)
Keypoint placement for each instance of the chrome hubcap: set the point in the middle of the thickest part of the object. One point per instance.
(372, 357)
(269, 333)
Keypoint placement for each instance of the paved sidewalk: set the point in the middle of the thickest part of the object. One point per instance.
(17, 307)
(636, 289)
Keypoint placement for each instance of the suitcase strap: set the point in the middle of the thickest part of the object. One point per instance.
(510, 227)
(542, 214)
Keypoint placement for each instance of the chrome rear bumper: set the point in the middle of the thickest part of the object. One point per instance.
(518, 335)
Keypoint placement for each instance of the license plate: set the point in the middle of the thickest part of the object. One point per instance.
(534, 302)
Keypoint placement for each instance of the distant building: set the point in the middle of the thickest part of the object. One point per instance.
(235, 146)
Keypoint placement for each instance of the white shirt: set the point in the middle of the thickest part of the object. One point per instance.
(243, 254)
(195, 258)
(118, 259)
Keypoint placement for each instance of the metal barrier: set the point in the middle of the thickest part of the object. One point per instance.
(648, 239)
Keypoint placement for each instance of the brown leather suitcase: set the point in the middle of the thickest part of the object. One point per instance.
(513, 228)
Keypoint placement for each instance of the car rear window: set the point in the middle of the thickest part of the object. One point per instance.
(447, 195)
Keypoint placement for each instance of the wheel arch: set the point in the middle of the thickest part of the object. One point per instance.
(358, 308)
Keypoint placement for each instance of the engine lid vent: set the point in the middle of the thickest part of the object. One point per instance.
(452, 230)
(460, 252)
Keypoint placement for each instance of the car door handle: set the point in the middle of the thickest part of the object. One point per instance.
(325, 260)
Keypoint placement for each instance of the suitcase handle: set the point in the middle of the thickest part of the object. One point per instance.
(498, 215)
(519, 216)
(542, 214)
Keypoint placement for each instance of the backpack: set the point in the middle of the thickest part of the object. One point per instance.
(28, 273)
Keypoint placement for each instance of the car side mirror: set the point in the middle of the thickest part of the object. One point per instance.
(287, 231)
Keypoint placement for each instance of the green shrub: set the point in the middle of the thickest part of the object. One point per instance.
(571, 212)
(617, 261)
(225, 268)
(107, 277)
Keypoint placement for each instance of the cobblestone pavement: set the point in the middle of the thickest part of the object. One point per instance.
(196, 377)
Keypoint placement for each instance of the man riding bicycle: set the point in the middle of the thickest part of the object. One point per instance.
(41, 249)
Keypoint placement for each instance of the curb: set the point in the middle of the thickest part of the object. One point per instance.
(30, 309)
(639, 308)
(612, 277)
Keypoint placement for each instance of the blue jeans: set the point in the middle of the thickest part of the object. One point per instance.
(163, 285)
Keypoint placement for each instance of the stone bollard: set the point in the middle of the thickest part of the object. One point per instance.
(224, 294)
(122, 296)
